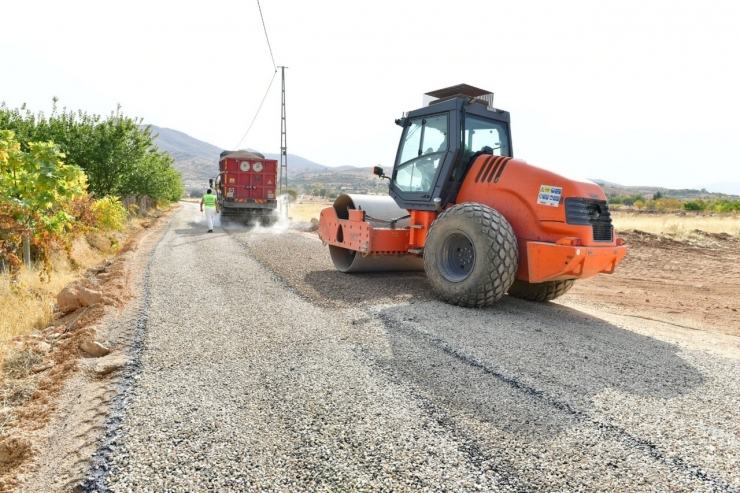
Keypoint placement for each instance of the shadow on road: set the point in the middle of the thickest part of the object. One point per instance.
(369, 287)
(525, 367)
(195, 233)
(195, 228)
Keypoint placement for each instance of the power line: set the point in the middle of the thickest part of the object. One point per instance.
(258, 111)
(267, 38)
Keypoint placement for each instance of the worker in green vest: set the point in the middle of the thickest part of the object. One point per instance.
(211, 206)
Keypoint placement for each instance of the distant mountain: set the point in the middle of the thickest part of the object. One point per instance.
(183, 146)
(726, 187)
(197, 161)
(295, 162)
(353, 168)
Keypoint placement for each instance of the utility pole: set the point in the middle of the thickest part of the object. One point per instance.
(283, 189)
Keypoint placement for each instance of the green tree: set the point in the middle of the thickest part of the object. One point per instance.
(37, 195)
(292, 194)
(117, 153)
(694, 205)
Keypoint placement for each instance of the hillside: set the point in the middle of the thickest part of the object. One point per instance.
(197, 161)
(729, 188)
(183, 146)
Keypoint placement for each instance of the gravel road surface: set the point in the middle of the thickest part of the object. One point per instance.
(262, 368)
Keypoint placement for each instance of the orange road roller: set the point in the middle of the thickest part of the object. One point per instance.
(479, 221)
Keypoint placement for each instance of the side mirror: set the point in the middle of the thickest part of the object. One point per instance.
(210, 182)
(377, 170)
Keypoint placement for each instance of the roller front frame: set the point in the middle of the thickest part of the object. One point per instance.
(356, 241)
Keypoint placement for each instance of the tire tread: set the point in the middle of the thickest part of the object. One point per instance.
(501, 258)
(541, 291)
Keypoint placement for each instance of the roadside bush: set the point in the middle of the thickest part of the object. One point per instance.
(292, 194)
(694, 205)
(109, 214)
(664, 204)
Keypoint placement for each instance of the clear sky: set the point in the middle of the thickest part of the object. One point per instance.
(634, 92)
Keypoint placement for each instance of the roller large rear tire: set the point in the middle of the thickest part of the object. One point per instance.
(471, 255)
(540, 291)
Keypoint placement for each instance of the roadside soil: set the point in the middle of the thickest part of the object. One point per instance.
(691, 287)
(55, 427)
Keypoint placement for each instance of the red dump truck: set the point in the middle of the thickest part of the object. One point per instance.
(246, 187)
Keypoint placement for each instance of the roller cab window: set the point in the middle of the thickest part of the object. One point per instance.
(481, 132)
(423, 147)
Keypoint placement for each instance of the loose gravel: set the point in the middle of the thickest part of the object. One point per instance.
(262, 369)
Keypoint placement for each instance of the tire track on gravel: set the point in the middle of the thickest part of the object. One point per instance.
(618, 434)
(607, 431)
(506, 475)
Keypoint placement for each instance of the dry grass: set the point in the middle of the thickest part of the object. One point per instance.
(28, 305)
(308, 210)
(678, 227)
(20, 364)
(85, 255)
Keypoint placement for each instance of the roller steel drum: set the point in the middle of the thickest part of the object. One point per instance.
(376, 207)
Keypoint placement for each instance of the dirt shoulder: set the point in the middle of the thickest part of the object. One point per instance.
(47, 443)
(689, 288)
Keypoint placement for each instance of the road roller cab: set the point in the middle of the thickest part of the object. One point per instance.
(480, 222)
(432, 161)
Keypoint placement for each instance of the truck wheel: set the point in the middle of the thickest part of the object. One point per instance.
(471, 255)
(540, 291)
(267, 221)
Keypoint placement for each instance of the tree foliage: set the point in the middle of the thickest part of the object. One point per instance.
(664, 204)
(40, 196)
(109, 214)
(292, 194)
(117, 153)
